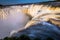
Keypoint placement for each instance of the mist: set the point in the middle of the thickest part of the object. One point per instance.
(12, 19)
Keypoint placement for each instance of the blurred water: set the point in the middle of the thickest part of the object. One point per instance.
(41, 30)
(14, 20)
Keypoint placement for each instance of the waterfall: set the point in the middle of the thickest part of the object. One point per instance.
(11, 18)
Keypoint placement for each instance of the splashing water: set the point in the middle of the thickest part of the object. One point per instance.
(15, 17)
(11, 18)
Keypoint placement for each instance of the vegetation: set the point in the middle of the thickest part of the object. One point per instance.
(24, 37)
(37, 39)
(50, 38)
(10, 38)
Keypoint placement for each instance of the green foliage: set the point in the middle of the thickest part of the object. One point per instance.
(24, 37)
(50, 38)
(10, 38)
(37, 39)
(6, 38)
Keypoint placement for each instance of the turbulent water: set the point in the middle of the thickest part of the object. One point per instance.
(41, 30)
(13, 18)
(38, 25)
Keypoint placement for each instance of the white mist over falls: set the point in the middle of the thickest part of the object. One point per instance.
(13, 18)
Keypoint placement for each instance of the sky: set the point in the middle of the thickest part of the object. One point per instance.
(9, 2)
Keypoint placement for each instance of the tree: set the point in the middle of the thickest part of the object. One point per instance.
(10, 38)
(37, 39)
(49, 38)
(6, 38)
(23, 37)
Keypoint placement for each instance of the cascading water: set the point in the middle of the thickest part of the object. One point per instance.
(11, 18)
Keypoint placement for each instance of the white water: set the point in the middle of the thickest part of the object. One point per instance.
(14, 20)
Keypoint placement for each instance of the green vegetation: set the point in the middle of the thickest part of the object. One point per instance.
(24, 37)
(50, 38)
(37, 39)
(10, 38)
